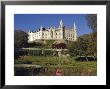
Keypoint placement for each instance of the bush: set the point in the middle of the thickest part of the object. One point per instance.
(83, 58)
(35, 52)
(48, 53)
(40, 52)
(19, 52)
(27, 60)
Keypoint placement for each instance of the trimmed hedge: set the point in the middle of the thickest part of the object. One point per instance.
(35, 53)
(86, 59)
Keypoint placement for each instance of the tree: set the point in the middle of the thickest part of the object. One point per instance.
(74, 50)
(20, 39)
(79, 47)
(92, 21)
(84, 46)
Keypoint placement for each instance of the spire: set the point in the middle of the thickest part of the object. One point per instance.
(54, 27)
(74, 26)
(41, 27)
(75, 32)
(29, 31)
(61, 23)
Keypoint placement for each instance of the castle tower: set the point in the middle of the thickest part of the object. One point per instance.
(29, 35)
(61, 24)
(41, 35)
(29, 31)
(61, 29)
(54, 34)
(49, 33)
(75, 32)
(41, 27)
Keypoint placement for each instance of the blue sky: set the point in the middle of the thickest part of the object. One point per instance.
(34, 21)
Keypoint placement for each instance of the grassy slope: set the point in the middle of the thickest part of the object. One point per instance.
(68, 66)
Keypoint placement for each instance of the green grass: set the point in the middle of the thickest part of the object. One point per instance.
(68, 66)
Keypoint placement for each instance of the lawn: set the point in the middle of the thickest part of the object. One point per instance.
(67, 65)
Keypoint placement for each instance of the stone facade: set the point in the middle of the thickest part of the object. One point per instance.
(53, 33)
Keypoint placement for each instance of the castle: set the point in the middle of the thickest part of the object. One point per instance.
(53, 33)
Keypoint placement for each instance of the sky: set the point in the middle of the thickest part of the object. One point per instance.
(33, 22)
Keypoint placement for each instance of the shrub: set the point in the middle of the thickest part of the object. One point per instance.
(88, 58)
(35, 52)
(40, 52)
(27, 60)
(19, 52)
(48, 53)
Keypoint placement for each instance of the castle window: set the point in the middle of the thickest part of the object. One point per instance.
(67, 34)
